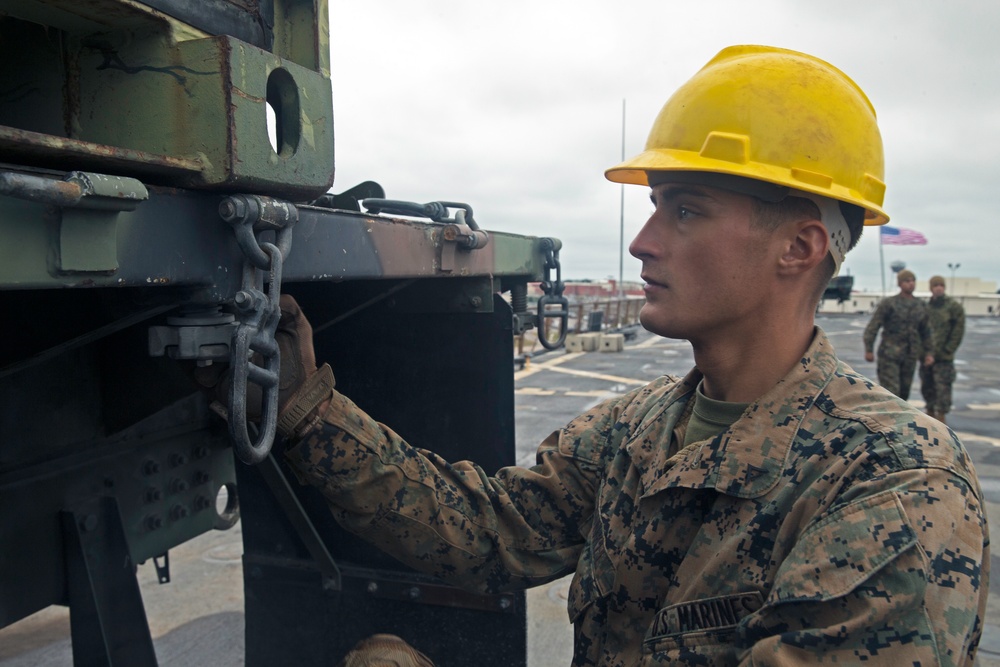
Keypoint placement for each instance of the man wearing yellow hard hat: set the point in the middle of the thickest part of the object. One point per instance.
(773, 507)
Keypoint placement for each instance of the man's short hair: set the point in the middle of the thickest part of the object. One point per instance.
(771, 215)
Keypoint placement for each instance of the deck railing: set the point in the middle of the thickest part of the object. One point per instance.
(599, 315)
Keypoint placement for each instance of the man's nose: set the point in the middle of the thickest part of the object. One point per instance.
(641, 245)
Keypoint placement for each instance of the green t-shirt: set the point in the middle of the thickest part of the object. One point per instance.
(709, 417)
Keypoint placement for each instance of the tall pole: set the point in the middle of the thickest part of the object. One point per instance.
(881, 262)
(621, 222)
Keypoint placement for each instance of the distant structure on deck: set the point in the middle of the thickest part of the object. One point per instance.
(978, 297)
(839, 289)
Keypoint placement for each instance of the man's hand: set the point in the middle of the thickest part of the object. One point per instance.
(298, 358)
(301, 386)
(869, 356)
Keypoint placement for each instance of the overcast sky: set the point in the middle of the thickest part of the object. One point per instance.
(515, 107)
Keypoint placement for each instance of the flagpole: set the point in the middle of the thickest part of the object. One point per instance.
(621, 222)
(881, 261)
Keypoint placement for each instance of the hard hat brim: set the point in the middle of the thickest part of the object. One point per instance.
(633, 172)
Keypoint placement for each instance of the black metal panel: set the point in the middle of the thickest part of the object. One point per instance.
(445, 382)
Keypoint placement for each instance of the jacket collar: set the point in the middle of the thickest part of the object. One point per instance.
(748, 459)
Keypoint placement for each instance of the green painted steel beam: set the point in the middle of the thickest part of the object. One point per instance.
(177, 238)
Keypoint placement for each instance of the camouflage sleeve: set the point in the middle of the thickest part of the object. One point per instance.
(950, 346)
(871, 331)
(520, 528)
(926, 332)
(899, 576)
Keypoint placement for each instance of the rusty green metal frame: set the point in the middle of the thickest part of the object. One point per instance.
(129, 88)
(177, 238)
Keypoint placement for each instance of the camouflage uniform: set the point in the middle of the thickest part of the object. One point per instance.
(948, 325)
(831, 524)
(906, 337)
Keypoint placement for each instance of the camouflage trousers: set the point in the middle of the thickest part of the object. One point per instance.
(935, 385)
(896, 374)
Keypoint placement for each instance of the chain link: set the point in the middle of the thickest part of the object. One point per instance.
(255, 355)
(553, 296)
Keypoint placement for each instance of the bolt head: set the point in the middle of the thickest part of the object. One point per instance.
(231, 209)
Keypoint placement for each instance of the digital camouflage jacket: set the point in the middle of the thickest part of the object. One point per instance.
(947, 319)
(906, 329)
(831, 524)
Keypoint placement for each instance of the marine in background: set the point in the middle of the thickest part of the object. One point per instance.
(948, 326)
(906, 337)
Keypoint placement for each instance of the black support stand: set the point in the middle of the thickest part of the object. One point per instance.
(107, 619)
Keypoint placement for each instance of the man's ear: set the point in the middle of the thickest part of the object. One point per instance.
(806, 245)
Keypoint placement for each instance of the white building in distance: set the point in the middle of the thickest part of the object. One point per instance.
(978, 297)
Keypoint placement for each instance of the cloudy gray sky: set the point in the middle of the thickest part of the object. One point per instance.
(516, 108)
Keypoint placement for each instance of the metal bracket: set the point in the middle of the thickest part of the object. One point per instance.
(522, 320)
(162, 571)
(460, 232)
(350, 200)
(88, 234)
(202, 334)
(90, 203)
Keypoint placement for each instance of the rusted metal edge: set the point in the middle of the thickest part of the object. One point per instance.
(47, 150)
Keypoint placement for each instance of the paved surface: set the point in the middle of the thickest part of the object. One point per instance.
(197, 619)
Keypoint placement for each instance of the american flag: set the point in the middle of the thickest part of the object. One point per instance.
(900, 236)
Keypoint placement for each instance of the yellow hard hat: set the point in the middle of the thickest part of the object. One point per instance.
(771, 115)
